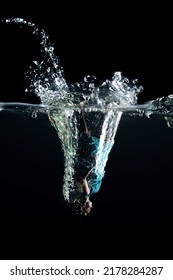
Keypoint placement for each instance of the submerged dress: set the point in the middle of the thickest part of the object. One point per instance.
(93, 153)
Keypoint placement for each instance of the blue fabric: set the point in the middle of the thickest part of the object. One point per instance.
(89, 149)
(97, 173)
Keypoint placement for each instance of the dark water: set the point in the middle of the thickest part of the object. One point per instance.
(133, 206)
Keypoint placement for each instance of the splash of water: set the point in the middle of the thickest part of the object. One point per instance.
(42, 75)
(85, 116)
(47, 80)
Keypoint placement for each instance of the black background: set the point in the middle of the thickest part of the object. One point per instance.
(134, 220)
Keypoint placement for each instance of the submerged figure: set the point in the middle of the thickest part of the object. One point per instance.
(91, 166)
(85, 154)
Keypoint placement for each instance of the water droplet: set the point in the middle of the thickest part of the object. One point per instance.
(90, 79)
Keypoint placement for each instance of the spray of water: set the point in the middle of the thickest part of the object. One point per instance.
(85, 116)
